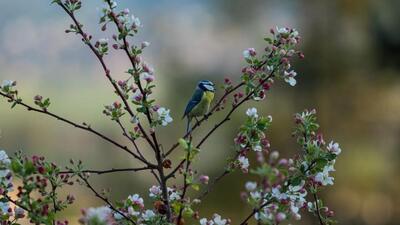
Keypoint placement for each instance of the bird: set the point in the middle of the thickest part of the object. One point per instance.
(200, 102)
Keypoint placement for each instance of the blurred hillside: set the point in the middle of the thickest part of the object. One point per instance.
(351, 75)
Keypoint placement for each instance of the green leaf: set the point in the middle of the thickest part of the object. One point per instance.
(196, 187)
(16, 166)
(29, 168)
(183, 143)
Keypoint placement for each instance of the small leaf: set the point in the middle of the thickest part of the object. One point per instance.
(183, 143)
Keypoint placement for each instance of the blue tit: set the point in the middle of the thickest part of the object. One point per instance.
(200, 102)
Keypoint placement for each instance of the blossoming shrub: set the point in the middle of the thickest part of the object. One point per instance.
(284, 189)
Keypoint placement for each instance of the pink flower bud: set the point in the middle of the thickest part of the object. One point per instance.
(280, 217)
(204, 179)
(38, 98)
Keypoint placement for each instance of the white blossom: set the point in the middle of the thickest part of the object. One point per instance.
(164, 116)
(248, 53)
(4, 159)
(218, 220)
(282, 30)
(204, 221)
(148, 215)
(251, 186)
(136, 199)
(174, 196)
(4, 206)
(103, 41)
(334, 148)
(289, 77)
(257, 148)
(244, 162)
(132, 211)
(135, 22)
(134, 119)
(100, 215)
(155, 191)
(252, 112)
(323, 177)
(7, 84)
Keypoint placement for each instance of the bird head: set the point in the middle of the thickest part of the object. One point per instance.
(206, 85)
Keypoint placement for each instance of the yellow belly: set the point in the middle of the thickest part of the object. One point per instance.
(203, 106)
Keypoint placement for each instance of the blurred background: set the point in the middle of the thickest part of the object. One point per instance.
(351, 75)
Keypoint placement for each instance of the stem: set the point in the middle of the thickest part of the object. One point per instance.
(318, 209)
(53, 196)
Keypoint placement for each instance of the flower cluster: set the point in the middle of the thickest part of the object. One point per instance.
(285, 183)
(252, 137)
(163, 116)
(274, 62)
(114, 111)
(101, 216)
(42, 103)
(38, 178)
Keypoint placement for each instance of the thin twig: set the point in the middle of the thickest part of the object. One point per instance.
(318, 209)
(244, 222)
(99, 172)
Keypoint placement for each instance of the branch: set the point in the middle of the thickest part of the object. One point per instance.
(99, 172)
(86, 40)
(87, 128)
(318, 209)
(16, 203)
(244, 222)
(104, 199)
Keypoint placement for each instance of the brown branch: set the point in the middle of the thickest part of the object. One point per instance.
(318, 209)
(87, 128)
(105, 68)
(16, 203)
(244, 222)
(99, 172)
(104, 199)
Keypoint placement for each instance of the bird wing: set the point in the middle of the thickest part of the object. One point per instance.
(196, 98)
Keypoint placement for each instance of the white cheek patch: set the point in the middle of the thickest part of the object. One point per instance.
(209, 87)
